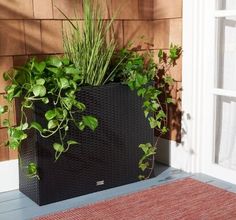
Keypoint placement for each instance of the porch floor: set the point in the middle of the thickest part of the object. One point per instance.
(15, 206)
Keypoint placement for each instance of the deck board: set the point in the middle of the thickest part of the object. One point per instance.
(15, 206)
(14, 194)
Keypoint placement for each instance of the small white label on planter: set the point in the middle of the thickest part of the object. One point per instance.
(99, 183)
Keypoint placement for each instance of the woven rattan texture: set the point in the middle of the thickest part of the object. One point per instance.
(109, 155)
(28, 153)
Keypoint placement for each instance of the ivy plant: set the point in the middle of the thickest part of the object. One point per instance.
(151, 81)
(53, 82)
(90, 59)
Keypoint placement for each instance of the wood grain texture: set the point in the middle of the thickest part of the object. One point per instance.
(43, 9)
(12, 37)
(5, 64)
(16, 9)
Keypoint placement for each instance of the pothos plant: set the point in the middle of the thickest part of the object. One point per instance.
(56, 81)
(152, 83)
(53, 82)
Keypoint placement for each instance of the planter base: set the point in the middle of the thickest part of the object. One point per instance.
(104, 159)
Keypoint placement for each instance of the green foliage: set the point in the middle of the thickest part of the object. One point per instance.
(148, 151)
(90, 122)
(3, 109)
(90, 59)
(32, 170)
(139, 71)
(54, 83)
(89, 46)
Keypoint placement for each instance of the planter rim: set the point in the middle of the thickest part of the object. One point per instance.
(111, 84)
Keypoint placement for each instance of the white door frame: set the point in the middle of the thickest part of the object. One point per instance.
(198, 85)
(9, 174)
(198, 65)
(189, 154)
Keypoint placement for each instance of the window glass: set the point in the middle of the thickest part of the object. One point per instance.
(226, 4)
(225, 127)
(226, 53)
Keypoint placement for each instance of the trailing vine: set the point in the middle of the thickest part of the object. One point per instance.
(89, 59)
(151, 82)
(54, 83)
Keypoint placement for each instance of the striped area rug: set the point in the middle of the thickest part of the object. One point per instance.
(185, 199)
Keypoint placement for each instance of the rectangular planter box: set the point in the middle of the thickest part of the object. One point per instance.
(104, 159)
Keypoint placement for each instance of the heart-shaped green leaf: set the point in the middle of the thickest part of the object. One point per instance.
(52, 124)
(24, 126)
(65, 61)
(68, 102)
(3, 109)
(32, 169)
(54, 61)
(40, 66)
(40, 81)
(39, 90)
(14, 144)
(71, 70)
(45, 100)
(6, 122)
(64, 83)
(90, 122)
(79, 105)
(36, 126)
(58, 147)
(53, 70)
(50, 114)
(70, 142)
(18, 134)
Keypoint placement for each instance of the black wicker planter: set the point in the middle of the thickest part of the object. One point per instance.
(104, 159)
